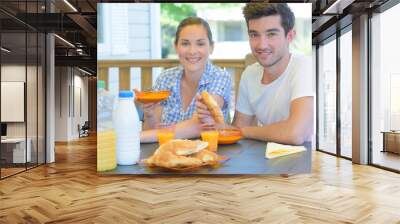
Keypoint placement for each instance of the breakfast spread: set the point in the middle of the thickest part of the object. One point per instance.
(183, 154)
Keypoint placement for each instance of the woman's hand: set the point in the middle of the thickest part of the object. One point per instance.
(151, 112)
(148, 108)
(204, 115)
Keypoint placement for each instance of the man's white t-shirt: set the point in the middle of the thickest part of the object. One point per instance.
(271, 103)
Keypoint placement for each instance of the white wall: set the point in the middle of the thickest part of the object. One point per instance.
(33, 126)
(80, 109)
(131, 31)
(17, 73)
(14, 73)
(71, 94)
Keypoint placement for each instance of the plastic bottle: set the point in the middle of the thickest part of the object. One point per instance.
(127, 127)
(106, 139)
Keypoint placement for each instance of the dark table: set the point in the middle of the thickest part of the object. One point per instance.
(245, 157)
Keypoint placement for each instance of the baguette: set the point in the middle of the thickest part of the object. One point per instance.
(213, 107)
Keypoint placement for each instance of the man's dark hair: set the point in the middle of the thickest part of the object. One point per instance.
(261, 9)
(193, 21)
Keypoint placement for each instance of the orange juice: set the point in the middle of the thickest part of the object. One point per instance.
(106, 157)
(164, 136)
(212, 138)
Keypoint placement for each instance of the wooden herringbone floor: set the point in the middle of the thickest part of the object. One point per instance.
(70, 191)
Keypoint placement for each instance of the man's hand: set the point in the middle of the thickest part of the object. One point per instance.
(226, 127)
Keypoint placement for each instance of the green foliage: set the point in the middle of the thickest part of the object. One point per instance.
(173, 13)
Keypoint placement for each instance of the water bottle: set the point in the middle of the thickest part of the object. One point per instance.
(127, 127)
(106, 139)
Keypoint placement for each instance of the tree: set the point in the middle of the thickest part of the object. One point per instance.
(171, 15)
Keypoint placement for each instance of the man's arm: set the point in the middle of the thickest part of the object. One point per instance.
(242, 120)
(294, 130)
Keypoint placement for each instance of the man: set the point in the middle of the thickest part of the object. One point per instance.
(275, 99)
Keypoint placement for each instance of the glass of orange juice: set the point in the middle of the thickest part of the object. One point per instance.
(210, 135)
(165, 132)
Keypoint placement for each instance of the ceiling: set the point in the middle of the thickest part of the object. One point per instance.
(328, 16)
(76, 22)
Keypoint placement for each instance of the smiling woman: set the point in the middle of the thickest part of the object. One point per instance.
(196, 73)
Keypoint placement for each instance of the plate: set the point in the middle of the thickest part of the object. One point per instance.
(229, 136)
(211, 164)
(152, 96)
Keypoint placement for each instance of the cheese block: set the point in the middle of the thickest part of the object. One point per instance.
(277, 150)
(213, 107)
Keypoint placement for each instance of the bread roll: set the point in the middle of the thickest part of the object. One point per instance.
(213, 107)
(207, 156)
(176, 154)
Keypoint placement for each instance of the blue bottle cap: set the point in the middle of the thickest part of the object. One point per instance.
(125, 94)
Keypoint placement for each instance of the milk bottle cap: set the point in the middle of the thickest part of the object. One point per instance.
(125, 94)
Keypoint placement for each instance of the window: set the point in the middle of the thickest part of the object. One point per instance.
(346, 94)
(385, 85)
(327, 97)
(394, 101)
(22, 66)
(232, 31)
